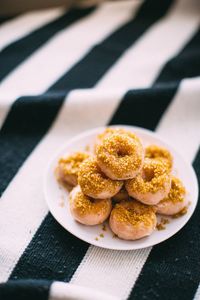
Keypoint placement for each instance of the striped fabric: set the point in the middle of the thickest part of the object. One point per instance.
(63, 72)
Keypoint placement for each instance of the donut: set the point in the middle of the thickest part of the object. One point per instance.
(86, 210)
(131, 220)
(68, 167)
(122, 195)
(152, 184)
(175, 200)
(94, 183)
(120, 156)
(160, 153)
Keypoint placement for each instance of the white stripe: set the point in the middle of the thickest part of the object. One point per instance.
(57, 56)
(116, 272)
(197, 295)
(141, 63)
(181, 122)
(67, 291)
(113, 272)
(22, 25)
(4, 108)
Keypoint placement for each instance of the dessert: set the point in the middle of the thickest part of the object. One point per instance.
(123, 183)
(95, 183)
(86, 210)
(120, 156)
(131, 220)
(175, 201)
(152, 184)
(159, 153)
(68, 167)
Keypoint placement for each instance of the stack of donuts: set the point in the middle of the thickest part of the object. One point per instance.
(123, 182)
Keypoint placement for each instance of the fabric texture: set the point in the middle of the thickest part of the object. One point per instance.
(63, 72)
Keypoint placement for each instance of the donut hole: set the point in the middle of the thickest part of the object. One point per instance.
(99, 173)
(122, 153)
(148, 175)
(102, 175)
(92, 200)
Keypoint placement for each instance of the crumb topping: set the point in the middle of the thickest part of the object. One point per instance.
(104, 227)
(134, 213)
(91, 178)
(109, 131)
(176, 193)
(181, 213)
(153, 177)
(161, 225)
(156, 152)
(87, 205)
(71, 164)
(120, 153)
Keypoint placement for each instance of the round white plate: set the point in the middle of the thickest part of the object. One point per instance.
(57, 197)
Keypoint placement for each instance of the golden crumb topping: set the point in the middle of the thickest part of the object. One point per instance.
(87, 205)
(71, 164)
(121, 153)
(104, 227)
(134, 213)
(161, 225)
(176, 193)
(92, 179)
(181, 213)
(109, 131)
(153, 177)
(156, 152)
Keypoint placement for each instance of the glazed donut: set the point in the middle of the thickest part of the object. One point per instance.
(122, 195)
(120, 156)
(131, 220)
(86, 210)
(68, 167)
(94, 183)
(156, 152)
(175, 201)
(152, 184)
(108, 131)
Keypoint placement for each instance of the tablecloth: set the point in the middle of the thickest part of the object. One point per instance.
(63, 72)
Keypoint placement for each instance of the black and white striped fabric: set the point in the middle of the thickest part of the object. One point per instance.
(63, 72)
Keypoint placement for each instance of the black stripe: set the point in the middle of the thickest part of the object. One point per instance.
(26, 123)
(185, 65)
(172, 270)
(30, 257)
(15, 53)
(52, 254)
(136, 106)
(4, 19)
(144, 108)
(102, 56)
(25, 289)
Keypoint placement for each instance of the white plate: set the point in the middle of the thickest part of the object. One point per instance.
(57, 198)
